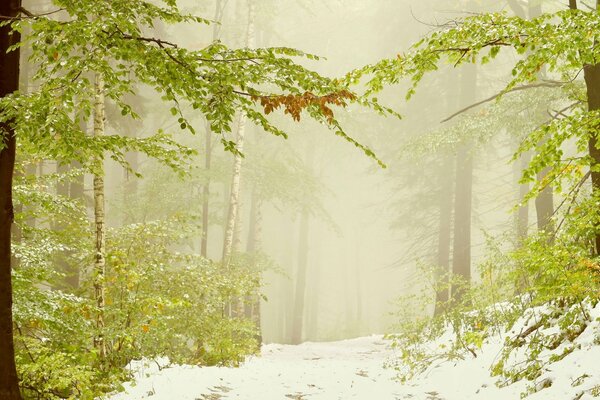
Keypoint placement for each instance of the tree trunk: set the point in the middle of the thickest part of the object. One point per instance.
(219, 9)
(300, 292)
(312, 323)
(592, 82)
(522, 222)
(444, 238)
(234, 198)
(100, 247)
(544, 205)
(461, 260)
(71, 277)
(234, 195)
(253, 245)
(206, 192)
(358, 286)
(9, 83)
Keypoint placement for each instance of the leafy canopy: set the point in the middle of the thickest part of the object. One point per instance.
(113, 39)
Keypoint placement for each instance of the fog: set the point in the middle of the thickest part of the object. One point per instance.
(370, 233)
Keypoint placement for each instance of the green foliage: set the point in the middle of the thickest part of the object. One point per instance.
(563, 41)
(107, 38)
(459, 332)
(538, 298)
(53, 327)
(161, 302)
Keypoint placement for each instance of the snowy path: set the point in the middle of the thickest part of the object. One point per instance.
(351, 369)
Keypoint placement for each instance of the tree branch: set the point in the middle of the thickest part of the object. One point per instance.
(517, 89)
(28, 14)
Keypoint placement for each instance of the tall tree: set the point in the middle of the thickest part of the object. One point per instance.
(107, 39)
(302, 266)
(300, 278)
(461, 253)
(234, 194)
(569, 38)
(219, 10)
(544, 202)
(9, 83)
(99, 220)
(591, 73)
(446, 198)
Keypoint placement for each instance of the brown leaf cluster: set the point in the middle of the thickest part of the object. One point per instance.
(294, 104)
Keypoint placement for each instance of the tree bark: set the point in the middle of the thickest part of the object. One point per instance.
(219, 9)
(461, 260)
(522, 222)
(544, 205)
(206, 192)
(300, 292)
(234, 195)
(9, 83)
(253, 245)
(234, 198)
(99, 221)
(312, 323)
(444, 238)
(592, 82)
(71, 278)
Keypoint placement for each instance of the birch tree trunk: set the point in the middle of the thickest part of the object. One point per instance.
(234, 197)
(100, 245)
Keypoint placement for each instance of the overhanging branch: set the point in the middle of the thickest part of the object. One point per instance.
(549, 84)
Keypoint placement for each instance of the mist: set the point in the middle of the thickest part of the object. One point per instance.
(297, 198)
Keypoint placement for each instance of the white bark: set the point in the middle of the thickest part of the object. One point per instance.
(100, 247)
(234, 198)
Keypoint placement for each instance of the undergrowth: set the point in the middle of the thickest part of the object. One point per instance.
(536, 300)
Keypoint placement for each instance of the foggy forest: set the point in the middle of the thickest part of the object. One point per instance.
(299, 199)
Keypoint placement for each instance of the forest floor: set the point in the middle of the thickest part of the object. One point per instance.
(354, 369)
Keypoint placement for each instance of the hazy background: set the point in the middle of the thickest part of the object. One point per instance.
(372, 227)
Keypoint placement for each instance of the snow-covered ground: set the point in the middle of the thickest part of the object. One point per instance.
(353, 369)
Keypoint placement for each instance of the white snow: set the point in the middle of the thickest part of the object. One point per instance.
(354, 369)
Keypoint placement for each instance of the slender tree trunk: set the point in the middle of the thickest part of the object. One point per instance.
(461, 261)
(219, 9)
(544, 205)
(313, 320)
(358, 288)
(100, 246)
(234, 199)
(206, 192)
(71, 277)
(444, 237)
(300, 292)
(286, 282)
(253, 245)
(522, 222)
(544, 202)
(234, 196)
(9, 83)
